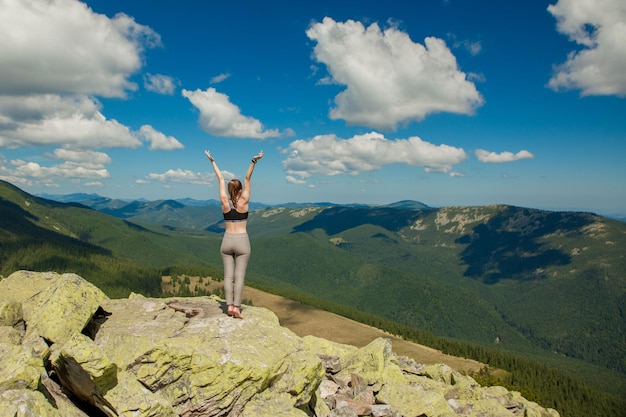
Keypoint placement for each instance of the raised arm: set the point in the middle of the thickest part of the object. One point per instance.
(245, 195)
(220, 181)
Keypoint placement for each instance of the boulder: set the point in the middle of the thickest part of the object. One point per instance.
(20, 368)
(55, 306)
(210, 363)
(86, 371)
(152, 357)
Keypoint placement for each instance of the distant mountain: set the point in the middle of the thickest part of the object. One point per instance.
(70, 198)
(189, 212)
(408, 205)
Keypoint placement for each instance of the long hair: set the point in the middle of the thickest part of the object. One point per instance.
(234, 188)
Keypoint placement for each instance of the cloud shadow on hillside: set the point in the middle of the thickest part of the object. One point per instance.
(338, 219)
(510, 245)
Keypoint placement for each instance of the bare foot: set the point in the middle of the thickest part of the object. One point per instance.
(230, 310)
(236, 313)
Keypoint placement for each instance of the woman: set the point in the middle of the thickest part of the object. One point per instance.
(235, 244)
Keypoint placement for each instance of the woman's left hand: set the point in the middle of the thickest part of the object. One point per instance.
(257, 156)
(208, 155)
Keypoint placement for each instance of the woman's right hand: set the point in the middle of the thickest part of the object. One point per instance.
(208, 155)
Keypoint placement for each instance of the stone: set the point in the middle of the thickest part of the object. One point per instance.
(20, 368)
(343, 412)
(53, 391)
(272, 405)
(208, 364)
(361, 409)
(332, 364)
(55, 306)
(24, 402)
(381, 410)
(147, 357)
(9, 335)
(86, 371)
(327, 388)
(369, 361)
(10, 313)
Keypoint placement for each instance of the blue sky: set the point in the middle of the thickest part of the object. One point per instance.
(455, 102)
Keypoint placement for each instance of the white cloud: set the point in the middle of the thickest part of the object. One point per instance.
(390, 79)
(91, 158)
(75, 165)
(57, 56)
(219, 78)
(473, 47)
(182, 176)
(599, 27)
(158, 140)
(67, 169)
(160, 84)
(220, 117)
(293, 180)
(36, 58)
(43, 120)
(330, 155)
(497, 158)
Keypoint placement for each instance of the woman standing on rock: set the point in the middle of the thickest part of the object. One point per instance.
(235, 247)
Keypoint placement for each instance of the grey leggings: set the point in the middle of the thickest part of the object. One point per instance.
(235, 255)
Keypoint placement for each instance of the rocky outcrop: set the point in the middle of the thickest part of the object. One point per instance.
(68, 350)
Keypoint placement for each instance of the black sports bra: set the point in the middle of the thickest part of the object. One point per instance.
(235, 216)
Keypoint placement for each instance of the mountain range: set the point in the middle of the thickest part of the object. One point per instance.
(544, 284)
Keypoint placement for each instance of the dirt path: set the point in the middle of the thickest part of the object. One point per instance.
(304, 320)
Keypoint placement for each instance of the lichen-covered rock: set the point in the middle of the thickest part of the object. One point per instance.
(20, 368)
(9, 335)
(369, 362)
(55, 306)
(86, 371)
(142, 357)
(130, 398)
(10, 312)
(24, 402)
(267, 404)
(213, 364)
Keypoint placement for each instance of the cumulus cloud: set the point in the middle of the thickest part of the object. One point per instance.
(160, 84)
(67, 169)
(158, 140)
(48, 89)
(86, 158)
(182, 176)
(498, 158)
(330, 155)
(389, 78)
(293, 180)
(74, 165)
(220, 117)
(71, 121)
(599, 27)
(36, 59)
